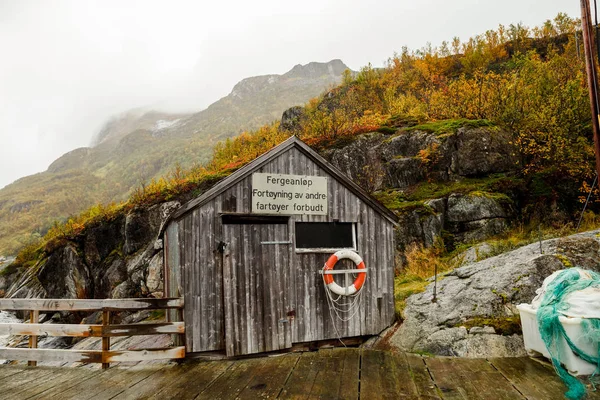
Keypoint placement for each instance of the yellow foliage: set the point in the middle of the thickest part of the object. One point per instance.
(543, 100)
(423, 261)
(429, 155)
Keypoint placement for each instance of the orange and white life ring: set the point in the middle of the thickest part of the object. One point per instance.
(358, 282)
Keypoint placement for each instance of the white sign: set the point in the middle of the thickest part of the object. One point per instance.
(289, 194)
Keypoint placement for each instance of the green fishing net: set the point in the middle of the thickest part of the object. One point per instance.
(552, 331)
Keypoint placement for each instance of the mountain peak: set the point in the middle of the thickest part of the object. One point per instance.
(300, 75)
(317, 69)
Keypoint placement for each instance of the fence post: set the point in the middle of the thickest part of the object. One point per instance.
(105, 339)
(34, 318)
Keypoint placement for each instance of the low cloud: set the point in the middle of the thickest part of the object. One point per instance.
(70, 65)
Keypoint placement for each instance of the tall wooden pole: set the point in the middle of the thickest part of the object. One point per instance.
(590, 67)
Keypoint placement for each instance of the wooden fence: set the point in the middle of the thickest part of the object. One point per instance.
(107, 330)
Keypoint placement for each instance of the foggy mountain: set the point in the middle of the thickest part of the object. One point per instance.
(141, 144)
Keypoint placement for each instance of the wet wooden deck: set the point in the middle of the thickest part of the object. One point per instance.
(326, 374)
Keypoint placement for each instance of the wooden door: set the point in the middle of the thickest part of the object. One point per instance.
(202, 279)
(256, 281)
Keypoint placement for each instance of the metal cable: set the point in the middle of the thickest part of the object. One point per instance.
(586, 203)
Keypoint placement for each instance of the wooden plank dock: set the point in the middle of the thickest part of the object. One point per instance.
(326, 374)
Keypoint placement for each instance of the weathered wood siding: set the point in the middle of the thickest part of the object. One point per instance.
(266, 297)
(172, 271)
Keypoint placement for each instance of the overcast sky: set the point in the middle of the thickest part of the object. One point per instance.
(67, 66)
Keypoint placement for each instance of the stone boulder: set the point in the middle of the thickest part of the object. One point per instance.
(154, 275)
(475, 217)
(464, 218)
(102, 239)
(116, 259)
(361, 162)
(402, 157)
(483, 151)
(65, 275)
(473, 254)
(111, 273)
(419, 227)
(402, 172)
(291, 119)
(474, 313)
(141, 226)
(398, 161)
(8, 275)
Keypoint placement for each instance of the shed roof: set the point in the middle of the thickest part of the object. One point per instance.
(271, 154)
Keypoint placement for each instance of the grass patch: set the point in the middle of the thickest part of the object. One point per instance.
(413, 199)
(449, 126)
(492, 186)
(387, 130)
(404, 287)
(421, 264)
(392, 199)
(420, 207)
(156, 315)
(505, 326)
(401, 121)
(519, 236)
(522, 235)
(397, 201)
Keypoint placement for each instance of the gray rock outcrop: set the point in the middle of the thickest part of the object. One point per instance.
(360, 160)
(409, 157)
(65, 275)
(379, 161)
(118, 259)
(291, 119)
(483, 151)
(475, 217)
(475, 313)
(7, 277)
(460, 218)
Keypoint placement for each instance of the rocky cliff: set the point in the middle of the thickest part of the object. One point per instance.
(123, 257)
(120, 259)
(446, 184)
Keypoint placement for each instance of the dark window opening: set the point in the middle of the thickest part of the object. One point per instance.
(325, 235)
(244, 219)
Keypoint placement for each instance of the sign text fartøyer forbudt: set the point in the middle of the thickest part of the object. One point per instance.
(289, 194)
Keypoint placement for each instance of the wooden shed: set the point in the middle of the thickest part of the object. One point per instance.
(247, 256)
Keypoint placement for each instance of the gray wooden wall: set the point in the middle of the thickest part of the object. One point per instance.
(267, 297)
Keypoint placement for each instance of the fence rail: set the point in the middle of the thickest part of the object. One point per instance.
(33, 329)
(89, 304)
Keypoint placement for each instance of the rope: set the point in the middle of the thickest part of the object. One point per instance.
(552, 332)
(338, 307)
(342, 307)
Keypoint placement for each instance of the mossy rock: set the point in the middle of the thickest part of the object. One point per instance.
(9, 270)
(386, 130)
(450, 126)
(505, 326)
